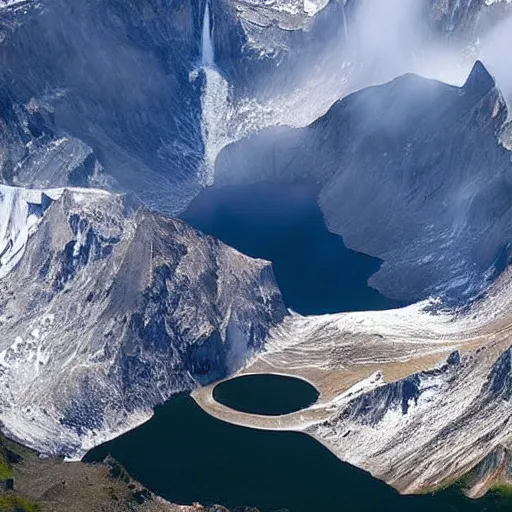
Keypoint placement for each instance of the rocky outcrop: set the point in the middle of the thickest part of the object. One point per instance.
(121, 309)
(113, 75)
(492, 473)
(424, 159)
(32, 154)
(435, 427)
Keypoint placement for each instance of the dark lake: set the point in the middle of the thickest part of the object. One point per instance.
(266, 394)
(187, 456)
(314, 269)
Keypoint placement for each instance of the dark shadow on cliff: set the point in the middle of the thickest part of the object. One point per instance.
(412, 172)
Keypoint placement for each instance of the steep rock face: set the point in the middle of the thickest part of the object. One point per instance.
(270, 26)
(116, 76)
(412, 172)
(457, 423)
(493, 471)
(118, 86)
(120, 309)
(433, 428)
(32, 154)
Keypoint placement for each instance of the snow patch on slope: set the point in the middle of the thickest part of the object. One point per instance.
(21, 210)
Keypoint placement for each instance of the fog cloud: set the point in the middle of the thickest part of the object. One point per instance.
(494, 50)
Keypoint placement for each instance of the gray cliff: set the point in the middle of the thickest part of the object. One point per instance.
(121, 309)
(111, 94)
(108, 306)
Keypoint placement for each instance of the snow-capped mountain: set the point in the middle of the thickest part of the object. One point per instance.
(107, 309)
(108, 306)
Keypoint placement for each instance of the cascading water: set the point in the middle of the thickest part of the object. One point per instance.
(207, 51)
(214, 104)
(345, 28)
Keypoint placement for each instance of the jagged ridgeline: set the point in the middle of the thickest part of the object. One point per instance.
(142, 96)
(115, 114)
(427, 162)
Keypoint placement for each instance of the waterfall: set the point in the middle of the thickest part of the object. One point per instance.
(215, 109)
(215, 114)
(344, 20)
(207, 53)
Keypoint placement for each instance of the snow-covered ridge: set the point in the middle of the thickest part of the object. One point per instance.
(21, 210)
(491, 2)
(108, 309)
(10, 3)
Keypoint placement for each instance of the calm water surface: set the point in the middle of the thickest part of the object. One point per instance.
(266, 394)
(315, 271)
(186, 456)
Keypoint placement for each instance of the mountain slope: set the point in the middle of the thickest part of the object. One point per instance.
(424, 158)
(120, 309)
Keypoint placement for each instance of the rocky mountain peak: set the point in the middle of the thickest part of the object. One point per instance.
(479, 79)
(122, 308)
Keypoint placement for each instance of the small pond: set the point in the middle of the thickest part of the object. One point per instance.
(266, 394)
(186, 456)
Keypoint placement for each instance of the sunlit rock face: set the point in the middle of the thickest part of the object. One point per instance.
(412, 172)
(120, 309)
(398, 434)
(108, 308)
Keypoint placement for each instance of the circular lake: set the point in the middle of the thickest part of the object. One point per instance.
(266, 394)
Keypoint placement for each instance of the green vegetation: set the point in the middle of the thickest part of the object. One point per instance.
(456, 484)
(10, 501)
(13, 503)
(15, 450)
(5, 471)
(502, 495)
(5, 467)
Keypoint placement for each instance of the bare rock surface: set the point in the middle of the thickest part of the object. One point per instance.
(419, 400)
(121, 308)
(426, 161)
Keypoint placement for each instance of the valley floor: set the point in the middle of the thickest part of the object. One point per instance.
(29, 483)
